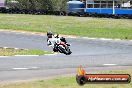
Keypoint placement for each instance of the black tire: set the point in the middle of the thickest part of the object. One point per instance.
(81, 80)
(68, 51)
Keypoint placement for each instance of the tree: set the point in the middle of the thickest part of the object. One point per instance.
(59, 5)
(52, 5)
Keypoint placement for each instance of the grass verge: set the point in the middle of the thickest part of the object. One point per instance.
(12, 52)
(80, 26)
(69, 82)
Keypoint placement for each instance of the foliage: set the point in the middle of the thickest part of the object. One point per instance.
(52, 5)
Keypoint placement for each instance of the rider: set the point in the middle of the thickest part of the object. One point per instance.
(52, 40)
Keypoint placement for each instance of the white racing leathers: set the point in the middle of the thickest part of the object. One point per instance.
(53, 41)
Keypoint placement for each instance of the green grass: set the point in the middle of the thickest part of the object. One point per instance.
(80, 26)
(11, 52)
(68, 82)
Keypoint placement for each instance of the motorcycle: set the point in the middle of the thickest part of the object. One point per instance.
(63, 48)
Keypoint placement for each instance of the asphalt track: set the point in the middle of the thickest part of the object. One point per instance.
(94, 55)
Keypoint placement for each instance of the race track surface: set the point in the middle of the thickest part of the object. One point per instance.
(94, 55)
